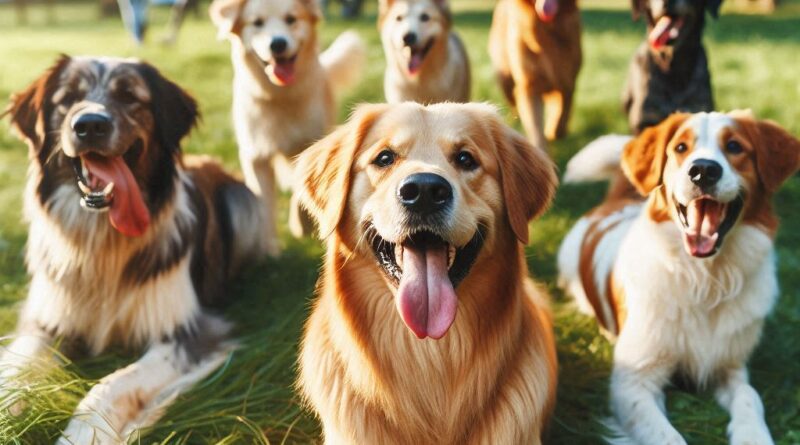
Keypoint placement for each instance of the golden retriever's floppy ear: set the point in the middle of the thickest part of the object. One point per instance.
(323, 170)
(29, 109)
(528, 177)
(225, 16)
(383, 9)
(644, 157)
(777, 152)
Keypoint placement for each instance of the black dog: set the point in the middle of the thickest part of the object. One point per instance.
(669, 71)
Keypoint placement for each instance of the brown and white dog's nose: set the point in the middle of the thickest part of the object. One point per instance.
(705, 172)
(425, 193)
(410, 39)
(91, 128)
(278, 45)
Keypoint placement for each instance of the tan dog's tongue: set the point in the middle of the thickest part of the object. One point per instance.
(415, 63)
(426, 299)
(128, 213)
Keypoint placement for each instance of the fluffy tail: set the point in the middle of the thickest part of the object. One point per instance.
(344, 60)
(597, 161)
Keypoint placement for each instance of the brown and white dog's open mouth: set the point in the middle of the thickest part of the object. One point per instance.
(281, 70)
(426, 269)
(107, 184)
(416, 56)
(705, 223)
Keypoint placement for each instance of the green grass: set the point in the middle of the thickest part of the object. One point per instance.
(754, 62)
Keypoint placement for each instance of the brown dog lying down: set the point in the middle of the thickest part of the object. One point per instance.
(425, 211)
(535, 46)
(669, 71)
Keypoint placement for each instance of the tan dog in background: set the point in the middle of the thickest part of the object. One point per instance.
(410, 198)
(283, 90)
(535, 47)
(425, 60)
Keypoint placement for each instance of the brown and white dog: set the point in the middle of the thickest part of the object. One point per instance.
(535, 47)
(128, 244)
(426, 61)
(684, 279)
(426, 212)
(283, 91)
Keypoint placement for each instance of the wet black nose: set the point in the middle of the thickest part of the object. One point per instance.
(705, 172)
(278, 45)
(410, 39)
(92, 127)
(425, 193)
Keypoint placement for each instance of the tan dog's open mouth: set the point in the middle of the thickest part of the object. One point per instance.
(706, 222)
(107, 184)
(280, 69)
(426, 270)
(416, 55)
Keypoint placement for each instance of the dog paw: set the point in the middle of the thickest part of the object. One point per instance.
(750, 434)
(89, 429)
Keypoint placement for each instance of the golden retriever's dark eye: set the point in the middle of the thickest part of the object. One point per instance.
(733, 147)
(384, 159)
(465, 161)
(258, 23)
(399, 18)
(681, 148)
(424, 17)
(290, 19)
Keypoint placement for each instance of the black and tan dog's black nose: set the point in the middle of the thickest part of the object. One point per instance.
(410, 39)
(705, 172)
(425, 193)
(91, 127)
(278, 45)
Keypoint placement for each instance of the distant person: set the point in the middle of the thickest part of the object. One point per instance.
(134, 16)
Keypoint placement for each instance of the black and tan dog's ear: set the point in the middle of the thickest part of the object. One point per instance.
(527, 174)
(712, 6)
(30, 108)
(777, 153)
(323, 170)
(638, 8)
(644, 157)
(225, 16)
(174, 110)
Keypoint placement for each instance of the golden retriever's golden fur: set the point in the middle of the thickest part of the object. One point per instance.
(491, 378)
(537, 58)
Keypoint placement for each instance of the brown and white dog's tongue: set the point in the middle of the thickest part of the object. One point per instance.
(665, 29)
(128, 213)
(704, 217)
(546, 9)
(426, 298)
(415, 63)
(284, 72)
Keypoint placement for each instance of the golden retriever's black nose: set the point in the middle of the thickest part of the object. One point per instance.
(91, 127)
(425, 193)
(705, 172)
(278, 45)
(410, 39)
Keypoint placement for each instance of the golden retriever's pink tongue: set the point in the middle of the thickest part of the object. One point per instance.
(704, 217)
(415, 63)
(284, 71)
(547, 9)
(128, 213)
(426, 298)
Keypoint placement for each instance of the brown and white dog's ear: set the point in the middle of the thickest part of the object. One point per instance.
(777, 153)
(644, 157)
(323, 170)
(528, 177)
(225, 16)
(30, 108)
(174, 110)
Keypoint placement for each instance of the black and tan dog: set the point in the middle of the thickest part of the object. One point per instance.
(669, 71)
(129, 243)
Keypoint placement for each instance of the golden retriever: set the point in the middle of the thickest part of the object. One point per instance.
(425, 210)
(535, 46)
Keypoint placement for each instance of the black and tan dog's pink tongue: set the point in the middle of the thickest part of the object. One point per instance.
(426, 298)
(662, 32)
(128, 213)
